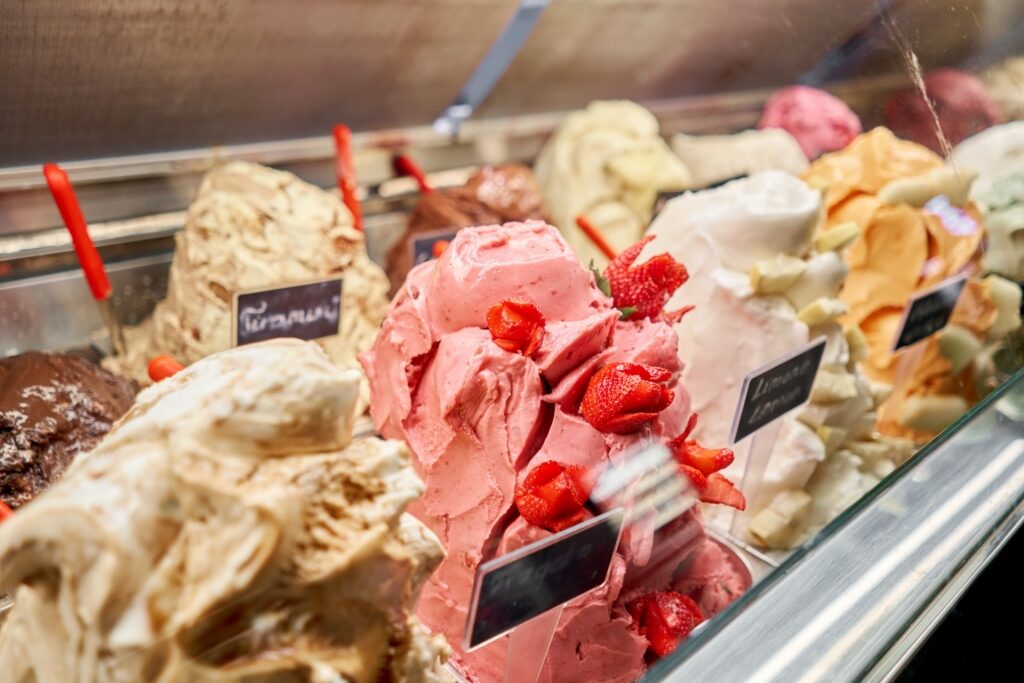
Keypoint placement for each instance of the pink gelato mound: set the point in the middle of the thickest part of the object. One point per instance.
(477, 418)
(820, 121)
(961, 103)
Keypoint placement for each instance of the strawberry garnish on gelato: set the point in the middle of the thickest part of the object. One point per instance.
(516, 325)
(641, 291)
(665, 618)
(553, 496)
(507, 412)
(701, 466)
(622, 398)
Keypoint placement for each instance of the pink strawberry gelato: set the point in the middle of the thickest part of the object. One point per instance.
(820, 121)
(478, 418)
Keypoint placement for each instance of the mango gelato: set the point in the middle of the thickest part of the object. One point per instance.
(917, 229)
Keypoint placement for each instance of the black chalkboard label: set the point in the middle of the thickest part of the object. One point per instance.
(929, 311)
(310, 310)
(525, 583)
(773, 390)
(422, 245)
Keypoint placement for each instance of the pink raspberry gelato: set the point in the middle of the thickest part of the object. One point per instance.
(820, 121)
(478, 418)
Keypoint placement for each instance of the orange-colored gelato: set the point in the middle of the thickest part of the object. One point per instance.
(882, 184)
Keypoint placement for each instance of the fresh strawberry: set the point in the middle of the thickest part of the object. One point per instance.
(701, 464)
(642, 291)
(623, 397)
(722, 492)
(707, 460)
(552, 496)
(5, 511)
(438, 247)
(516, 326)
(162, 367)
(665, 618)
(696, 477)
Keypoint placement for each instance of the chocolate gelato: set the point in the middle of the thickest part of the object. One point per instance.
(492, 195)
(52, 407)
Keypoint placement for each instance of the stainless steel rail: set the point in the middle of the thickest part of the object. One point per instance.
(854, 604)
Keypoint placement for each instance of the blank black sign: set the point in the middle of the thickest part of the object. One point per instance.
(928, 312)
(423, 245)
(307, 311)
(773, 390)
(527, 582)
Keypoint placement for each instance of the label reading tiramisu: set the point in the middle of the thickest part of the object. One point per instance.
(773, 390)
(309, 310)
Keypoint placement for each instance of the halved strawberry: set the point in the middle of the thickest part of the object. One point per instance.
(722, 491)
(623, 397)
(664, 618)
(642, 291)
(553, 495)
(516, 325)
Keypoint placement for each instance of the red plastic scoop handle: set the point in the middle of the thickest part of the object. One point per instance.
(595, 236)
(346, 170)
(5, 511)
(71, 212)
(404, 165)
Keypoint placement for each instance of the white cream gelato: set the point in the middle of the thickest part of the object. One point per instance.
(253, 227)
(762, 289)
(227, 529)
(607, 162)
(992, 154)
(711, 159)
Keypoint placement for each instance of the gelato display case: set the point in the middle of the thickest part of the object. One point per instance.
(482, 341)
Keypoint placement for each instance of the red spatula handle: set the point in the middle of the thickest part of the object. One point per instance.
(92, 265)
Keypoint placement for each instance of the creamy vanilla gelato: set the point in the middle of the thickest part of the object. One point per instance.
(711, 159)
(227, 529)
(252, 227)
(607, 162)
(763, 285)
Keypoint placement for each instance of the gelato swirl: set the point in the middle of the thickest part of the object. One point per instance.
(252, 227)
(228, 529)
(608, 163)
(482, 414)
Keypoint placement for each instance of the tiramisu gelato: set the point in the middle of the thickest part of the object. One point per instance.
(959, 103)
(607, 163)
(917, 228)
(820, 121)
(762, 286)
(227, 529)
(514, 377)
(494, 194)
(52, 408)
(252, 227)
(712, 159)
